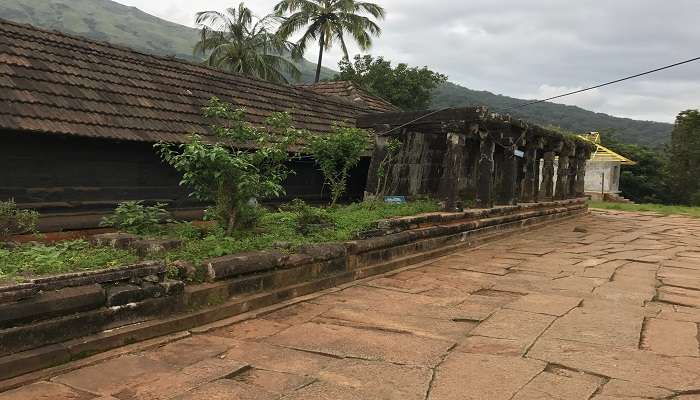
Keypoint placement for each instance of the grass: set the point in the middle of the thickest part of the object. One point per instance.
(67, 256)
(657, 208)
(273, 229)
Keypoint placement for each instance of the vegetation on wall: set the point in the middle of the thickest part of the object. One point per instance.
(246, 164)
(409, 88)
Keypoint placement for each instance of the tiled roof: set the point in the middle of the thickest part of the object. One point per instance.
(603, 153)
(350, 92)
(60, 84)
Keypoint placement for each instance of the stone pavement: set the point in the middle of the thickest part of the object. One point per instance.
(603, 307)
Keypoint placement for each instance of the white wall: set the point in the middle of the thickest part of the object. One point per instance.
(594, 176)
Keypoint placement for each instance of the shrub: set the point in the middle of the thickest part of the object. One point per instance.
(695, 199)
(135, 217)
(336, 154)
(307, 218)
(14, 221)
(231, 172)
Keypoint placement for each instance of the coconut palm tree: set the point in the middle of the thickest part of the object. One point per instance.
(328, 21)
(237, 41)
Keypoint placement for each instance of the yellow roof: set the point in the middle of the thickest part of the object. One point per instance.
(603, 153)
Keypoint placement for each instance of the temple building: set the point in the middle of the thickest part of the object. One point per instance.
(603, 171)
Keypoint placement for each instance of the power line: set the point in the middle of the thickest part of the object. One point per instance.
(558, 96)
(608, 83)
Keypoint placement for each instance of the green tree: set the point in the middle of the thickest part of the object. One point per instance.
(327, 22)
(245, 162)
(409, 88)
(646, 181)
(336, 154)
(684, 157)
(236, 41)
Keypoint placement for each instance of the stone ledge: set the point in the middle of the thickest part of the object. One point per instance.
(247, 281)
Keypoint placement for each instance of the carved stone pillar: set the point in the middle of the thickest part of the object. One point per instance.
(372, 185)
(548, 176)
(509, 178)
(531, 175)
(562, 186)
(484, 187)
(571, 178)
(451, 179)
(580, 187)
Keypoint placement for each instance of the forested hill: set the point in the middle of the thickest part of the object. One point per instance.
(572, 118)
(110, 21)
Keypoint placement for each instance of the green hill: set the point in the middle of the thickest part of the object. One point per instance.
(107, 20)
(572, 118)
(112, 22)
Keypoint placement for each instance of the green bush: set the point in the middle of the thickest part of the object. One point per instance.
(135, 217)
(695, 199)
(14, 221)
(308, 219)
(336, 154)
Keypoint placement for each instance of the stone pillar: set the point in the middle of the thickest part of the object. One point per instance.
(509, 178)
(484, 186)
(531, 176)
(580, 187)
(562, 185)
(571, 178)
(373, 179)
(537, 189)
(451, 179)
(548, 176)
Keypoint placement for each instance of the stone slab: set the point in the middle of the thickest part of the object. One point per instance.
(679, 374)
(465, 376)
(379, 379)
(368, 344)
(419, 326)
(601, 325)
(253, 329)
(523, 327)
(560, 384)
(545, 304)
(277, 358)
(226, 389)
(45, 391)
(114, 375)
(169, 385)
(672, 338)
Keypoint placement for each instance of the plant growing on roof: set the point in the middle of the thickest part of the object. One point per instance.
(336, 154)
(327, 21)
(237, 41)
(244, 162)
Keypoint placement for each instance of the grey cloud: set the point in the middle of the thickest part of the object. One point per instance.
(526, 48)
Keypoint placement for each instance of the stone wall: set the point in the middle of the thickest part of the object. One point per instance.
(51, 320)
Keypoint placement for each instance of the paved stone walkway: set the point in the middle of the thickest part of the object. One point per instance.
(609, 313)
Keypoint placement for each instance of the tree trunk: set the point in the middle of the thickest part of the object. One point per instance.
(231, 221)
(320, 57)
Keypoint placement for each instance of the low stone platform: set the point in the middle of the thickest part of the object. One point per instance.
(602, 307)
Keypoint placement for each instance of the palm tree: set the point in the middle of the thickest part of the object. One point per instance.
(237, 41)
(327, 21)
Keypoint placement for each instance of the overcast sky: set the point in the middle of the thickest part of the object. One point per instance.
(532, 48)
